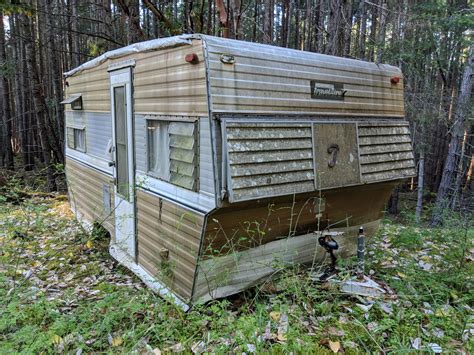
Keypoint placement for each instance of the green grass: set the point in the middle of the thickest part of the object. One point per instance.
(61, 292)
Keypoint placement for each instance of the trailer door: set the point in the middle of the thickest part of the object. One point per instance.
(122, 113)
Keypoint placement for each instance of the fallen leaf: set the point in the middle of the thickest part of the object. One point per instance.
(117, 341)
(56, 339)
(282, 327)
(335, 332)
(275, 316)
(415, 343)
(335, 346)
(199, 347)
(435, 348)
(176, 348)
(401, 274)
(438, 333)
(268, 330)
(89, 244)
(251, 348)
(365, 307)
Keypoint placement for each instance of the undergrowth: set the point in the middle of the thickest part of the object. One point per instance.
(61, 292)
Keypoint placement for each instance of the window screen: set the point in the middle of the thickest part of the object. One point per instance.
(120, 106)
(173, 152)
(76, 138)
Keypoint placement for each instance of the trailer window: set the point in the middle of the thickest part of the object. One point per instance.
(173, 152)
(158, 149)
(76, 138)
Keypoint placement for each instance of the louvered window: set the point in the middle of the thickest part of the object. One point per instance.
(173, 152)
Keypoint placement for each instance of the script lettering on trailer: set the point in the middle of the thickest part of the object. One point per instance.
(324, 90)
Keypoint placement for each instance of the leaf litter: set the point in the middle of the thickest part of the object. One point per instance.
(47, 258)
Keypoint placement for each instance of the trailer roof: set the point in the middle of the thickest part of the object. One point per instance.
(146, 46)
(186, 39)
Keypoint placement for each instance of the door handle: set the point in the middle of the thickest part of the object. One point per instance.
(111, 163)
(333, 149)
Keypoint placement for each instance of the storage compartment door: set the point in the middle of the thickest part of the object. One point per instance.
(336, 155)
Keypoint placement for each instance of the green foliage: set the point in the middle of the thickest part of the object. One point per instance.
(74, 298)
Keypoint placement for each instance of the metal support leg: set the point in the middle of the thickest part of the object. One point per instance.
(361, 253)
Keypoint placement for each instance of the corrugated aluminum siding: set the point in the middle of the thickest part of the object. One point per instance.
(98, 129)
(269, 159)
(86, 188)
(385, 152)
(164, 83)
(162, 224)
(267, 79)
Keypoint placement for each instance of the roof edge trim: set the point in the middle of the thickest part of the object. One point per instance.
(154, 44)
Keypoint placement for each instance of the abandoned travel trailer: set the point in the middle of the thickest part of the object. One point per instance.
(213, 162)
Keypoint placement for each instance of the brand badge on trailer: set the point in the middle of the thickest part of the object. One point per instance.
(324, 90)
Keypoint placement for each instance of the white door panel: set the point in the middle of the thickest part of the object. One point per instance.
(124, 166)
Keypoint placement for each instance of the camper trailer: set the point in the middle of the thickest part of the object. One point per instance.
(212, 161)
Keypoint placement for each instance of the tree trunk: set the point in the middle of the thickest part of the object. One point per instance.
(347, 28)
(188, 20)
(381, 40)
(363, 29)
(237, 14)
(460, 173)
(267, 22)
(223, 18)
(39, 105)
(449, 171)
(55, 69)
(75, 40)
(307, 26)
(421, 173)
(6, 110)
(320, 14)
(373, 31)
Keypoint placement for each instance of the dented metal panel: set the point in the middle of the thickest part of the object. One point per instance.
(268, 159)
(166, 226)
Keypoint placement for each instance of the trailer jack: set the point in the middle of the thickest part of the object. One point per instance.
(326, 240)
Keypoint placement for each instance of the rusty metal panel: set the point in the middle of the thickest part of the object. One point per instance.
(268, 159)
(385, 152)
(265, 79)
(336, 155)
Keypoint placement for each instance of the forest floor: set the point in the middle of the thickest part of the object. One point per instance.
(61, 292)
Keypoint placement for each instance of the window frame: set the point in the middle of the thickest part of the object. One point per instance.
(196, 134)
(73, 144)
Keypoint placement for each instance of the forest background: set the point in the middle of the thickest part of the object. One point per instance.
(429, 40)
